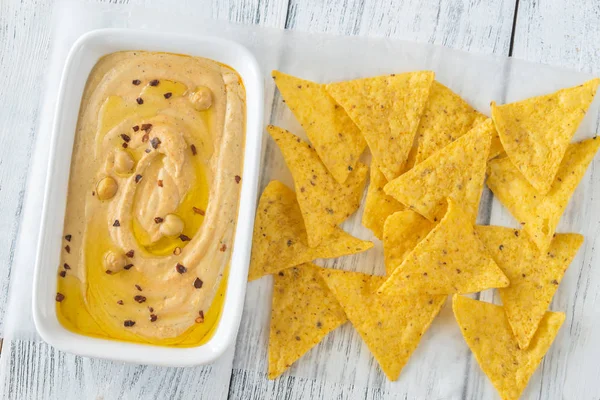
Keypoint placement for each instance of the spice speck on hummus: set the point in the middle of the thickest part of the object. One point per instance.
(158, 139)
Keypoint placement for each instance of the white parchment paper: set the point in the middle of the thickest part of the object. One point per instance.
(442, 367)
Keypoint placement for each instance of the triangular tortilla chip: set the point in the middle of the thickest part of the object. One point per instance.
(487, 333)
(539, 214)
(496, 148)
(457, 171)
(401, 233)
(451, 259)
(279, 241)
(391, 326)
(534, 276)
(324, 202)
(446, 118)
(303, 312)
(536, 132)
(335, 137)
(378, 205)
(387, 109)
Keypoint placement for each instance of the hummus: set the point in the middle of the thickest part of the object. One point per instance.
(153, 199)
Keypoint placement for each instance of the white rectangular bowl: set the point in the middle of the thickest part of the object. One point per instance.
(83, 56)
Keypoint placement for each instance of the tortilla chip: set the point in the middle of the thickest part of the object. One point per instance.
(378, 205)
(303, 312)
(536, 132)
(451, 259)
(324, 202)
(487, 333)
(336, 139)
(401, 233)
(446, 118)
(534, 276)
(496, 148)
(279, 241)
(391, 327)
(539, 214)
(387, 109)
(457, 171)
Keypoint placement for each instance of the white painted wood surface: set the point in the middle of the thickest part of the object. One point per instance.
(566, 34)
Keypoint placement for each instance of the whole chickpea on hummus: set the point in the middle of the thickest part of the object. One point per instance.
(153, 199)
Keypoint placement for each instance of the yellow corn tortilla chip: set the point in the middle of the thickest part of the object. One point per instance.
(378, 205)
(450, 259)
(279, 240)
(487, 333)
(457, 171)
(446, 118)
(335, 137)
(401, 233)
(536, 132)
(391, 327)
(324, 202)
(539, 214)
(303, 312)
(387, 109)
(534, 276)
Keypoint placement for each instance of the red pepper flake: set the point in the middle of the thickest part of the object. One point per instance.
(145, 138)
(128, 323)
(116, 223)
(136, 128)
(128, 267)
(177, 251)
(120, 302)
(130, 253)
(154, 82)
(63, 273)
(140, 299)
(60, 297)
(198, 283)
(194, 151)
(158, 220)
(168, 95)
(125, 145)
(184, 238)
(160, 183)
(138, 178)
(223, 247)
(200, 318)
(68, 249)
(237, 179)
(138, 287)
(66, 266)
(155, 142)
(136, 82)
(68, 238)
(153, 317)
(125, 137)
(139, 100)
(146, 127)
(180, 268)
(199, 211)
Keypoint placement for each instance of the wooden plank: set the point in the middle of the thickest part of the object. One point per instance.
(468, 25)
(567, 34)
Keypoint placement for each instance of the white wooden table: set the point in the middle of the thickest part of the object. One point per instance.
(563, 33)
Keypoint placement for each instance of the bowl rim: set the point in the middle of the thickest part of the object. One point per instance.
(44, 315)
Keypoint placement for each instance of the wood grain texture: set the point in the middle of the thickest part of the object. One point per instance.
(565, 34)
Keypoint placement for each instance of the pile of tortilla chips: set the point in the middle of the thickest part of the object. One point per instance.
(430, 154)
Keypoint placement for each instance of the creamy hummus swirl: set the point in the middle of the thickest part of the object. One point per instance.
(145, 262)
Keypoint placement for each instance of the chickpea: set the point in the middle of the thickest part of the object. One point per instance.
(106, 188)
(123, 162)
(172, 225)
(114, 262)
(201, 98)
